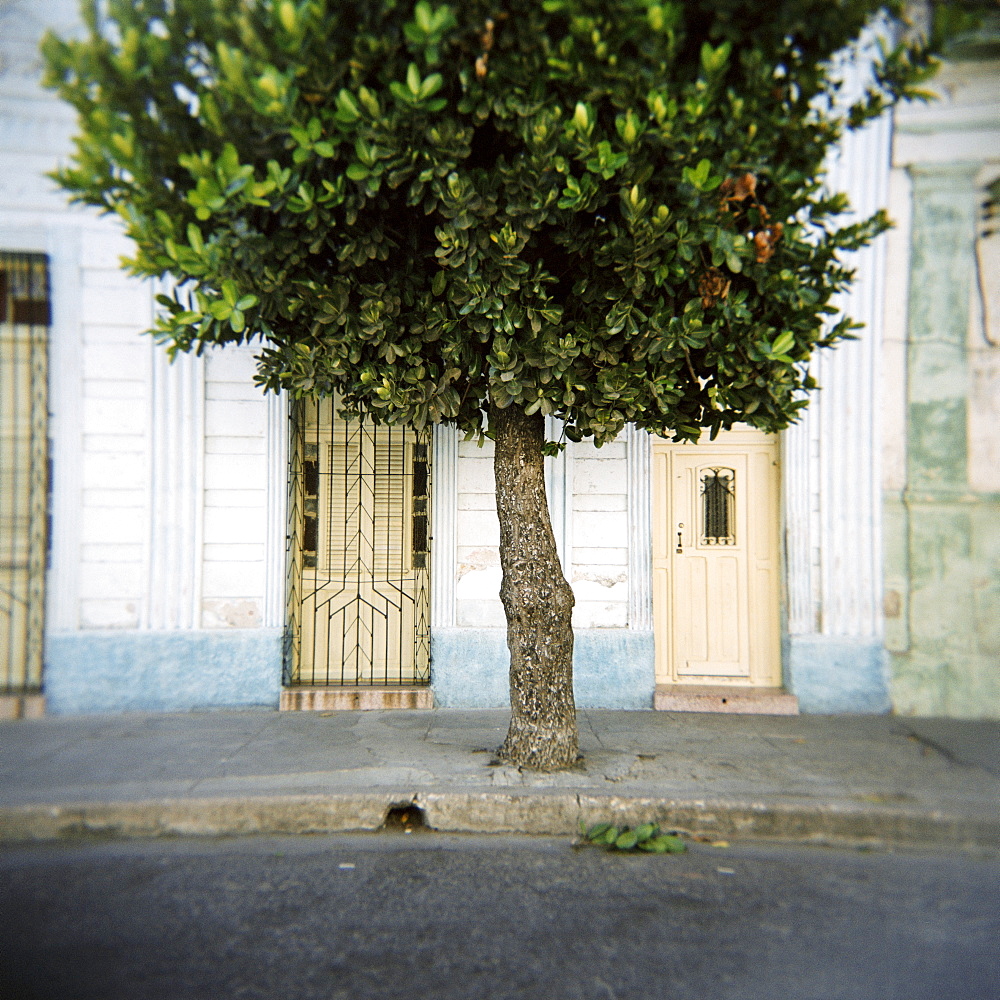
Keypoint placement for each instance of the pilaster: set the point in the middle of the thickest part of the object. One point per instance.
(276, 545)
(177, 451)
(640, 529)
(559, 492)
(444, 508)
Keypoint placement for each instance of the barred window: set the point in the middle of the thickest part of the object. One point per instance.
(718, 493)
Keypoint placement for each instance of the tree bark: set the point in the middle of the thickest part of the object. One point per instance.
(536, 598)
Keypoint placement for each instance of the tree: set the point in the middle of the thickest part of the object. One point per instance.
(478, 213)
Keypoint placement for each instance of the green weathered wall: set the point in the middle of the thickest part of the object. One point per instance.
(942, 536)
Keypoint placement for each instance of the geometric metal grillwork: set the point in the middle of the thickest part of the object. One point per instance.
(24, 322)
(718, 494)
(358, 557)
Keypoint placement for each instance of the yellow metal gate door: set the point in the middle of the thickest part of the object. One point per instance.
(24, 320)
(715, 561)
(359, 562)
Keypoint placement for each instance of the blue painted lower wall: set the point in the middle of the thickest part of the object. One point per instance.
(837, 674)
(124, 671)
(120, 671)
(612, 668)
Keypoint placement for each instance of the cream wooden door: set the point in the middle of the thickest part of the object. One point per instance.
(715, 561)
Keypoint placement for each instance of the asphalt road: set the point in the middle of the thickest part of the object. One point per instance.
(484, 918)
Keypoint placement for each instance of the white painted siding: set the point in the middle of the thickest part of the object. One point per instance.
(114, 466)
(600, 535)
(235, 497)
(477, 574)
(599, 525)
(173, 473)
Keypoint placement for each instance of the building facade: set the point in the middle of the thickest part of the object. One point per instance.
(179, 541)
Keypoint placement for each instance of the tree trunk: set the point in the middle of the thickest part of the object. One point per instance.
(536, 598)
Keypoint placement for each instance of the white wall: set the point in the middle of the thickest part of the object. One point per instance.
(596, 509)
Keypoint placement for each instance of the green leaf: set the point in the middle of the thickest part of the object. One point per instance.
(699, 176)
(286, 14)
(347, 108)
(644, 832)
(782, 343)
(357, 172)
(431, 85)
(712, 59)
(370, 102)
(195, 238)
(413, 79)
(627, 840)
(666, 844)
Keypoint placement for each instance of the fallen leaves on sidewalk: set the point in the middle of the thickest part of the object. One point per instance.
(645, 837)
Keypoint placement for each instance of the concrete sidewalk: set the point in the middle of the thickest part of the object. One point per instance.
(833, 779)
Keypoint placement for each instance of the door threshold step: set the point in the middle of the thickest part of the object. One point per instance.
(735, 700)
(21, 706)
(364, 699)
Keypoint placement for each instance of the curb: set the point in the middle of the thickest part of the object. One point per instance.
(560, 814)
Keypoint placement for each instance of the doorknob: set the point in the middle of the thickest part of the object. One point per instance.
(680, 548)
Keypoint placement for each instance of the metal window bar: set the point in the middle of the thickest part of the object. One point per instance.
(24, 476)
(358, 590)
(718, 492)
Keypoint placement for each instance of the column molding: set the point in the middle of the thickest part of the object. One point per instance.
(177, 473)
(832, 459)
(801, 503)
(444, 538)
(638, 449)
(276, 537)
(63, 245)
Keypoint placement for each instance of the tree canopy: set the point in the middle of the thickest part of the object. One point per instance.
(605, 211)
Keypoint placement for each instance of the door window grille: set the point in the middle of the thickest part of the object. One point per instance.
(24, 321)
(718, 496)
(358, 552)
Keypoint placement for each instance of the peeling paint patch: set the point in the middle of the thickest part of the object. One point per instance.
(605, 579)
(478, 560)
(231, 614)
(893, 604)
